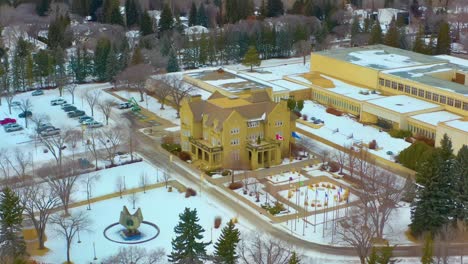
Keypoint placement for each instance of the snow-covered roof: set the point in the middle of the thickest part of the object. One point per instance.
(286, 85)
(403, 104)
(454, 60)
(458, 124)
(351, 91)
(195, 30)
(435, 117)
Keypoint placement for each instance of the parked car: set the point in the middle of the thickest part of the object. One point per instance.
(65, 105)
(125, 105)
(7, 121)
(76, 113)
(94, 124)
(43, 126)
(25, 114)
(15, 103)
(50, 132)
(81, 119)
(13, 127)
(59, 101)
(69, 108)
(37, 92)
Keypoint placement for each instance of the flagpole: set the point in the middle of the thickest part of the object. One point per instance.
(315, 215)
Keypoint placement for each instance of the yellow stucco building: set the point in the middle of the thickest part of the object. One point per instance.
(427, 95)
(246, 131)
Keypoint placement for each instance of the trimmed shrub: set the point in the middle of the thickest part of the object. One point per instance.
(275, 209)
(384, 124)
(190, 192)
(217, 222)
(398, 133)
(414, 154)
(334, 166)
(429, 141)
(334, 111)
(184, 155)
(235, 185)
(304, 117)
(373, 144)
(225, 173)
(171, 147)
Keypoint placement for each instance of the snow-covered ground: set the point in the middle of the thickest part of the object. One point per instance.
(350, 131)
(286, 178)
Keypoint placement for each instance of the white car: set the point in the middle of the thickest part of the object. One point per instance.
(59, 101)
(94, 124)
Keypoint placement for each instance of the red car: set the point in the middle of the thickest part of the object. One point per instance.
(7, 121)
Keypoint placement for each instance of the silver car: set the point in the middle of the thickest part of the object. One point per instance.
(13, 127)
(94, 124)
(50, 132)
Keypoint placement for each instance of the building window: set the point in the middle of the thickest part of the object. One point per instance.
(387, 83)
(457, 103)
(428, 95)
(421, 93)
(394, 85)
(381, 81)
(235, 155)
(435, 97)
(400, 87)
(443, 99)
(450, 101)
(414, 91)
(253, 124)
(407, 89)
(235, 141)
(278, 123)
(465, 106)
(235, 131)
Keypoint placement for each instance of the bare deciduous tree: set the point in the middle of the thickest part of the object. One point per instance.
(166, 177)
(68, 227)
(20, 163)
(340, 157)
(260, 249)
(302, 48)
(37, 201)
(357, 231)
(160, 90)
(120, 186)
(111, 139)
(9, 96)
(106, 108)
(71, 88)
(25, 107)
(136, 255)
(135, 77)
(178, 90)
(144, 181)
(91, 97)
(56, 144)
(133, 199)
(89, 182)
(324, 156)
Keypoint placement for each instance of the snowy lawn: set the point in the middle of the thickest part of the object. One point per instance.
(345, 131)
(158, 206)
(285, 178)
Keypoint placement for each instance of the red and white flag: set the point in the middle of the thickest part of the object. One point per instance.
(279, 137)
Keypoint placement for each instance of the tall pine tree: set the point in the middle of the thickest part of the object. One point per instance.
(11, 219)
(428, 249)
(172, 63)
(131, 13)
(193, 15)
(461, 178)
(376, 34)
(251, 58)
(419, 44)
(100, 58)
(186, 246)
(225, 247)
(294, 259)
(443, 39)
(166, 22)
(275, 8)
(146, 24)
(202, 18)
(392, 38)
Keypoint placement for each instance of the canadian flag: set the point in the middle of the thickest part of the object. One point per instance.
(279, 137)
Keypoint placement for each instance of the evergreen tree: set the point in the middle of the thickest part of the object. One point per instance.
(172, 63)
(146, 24)
(294, 259)
(81, 65)
(461, 180)
(225, 247)
(81, 7)
(427, 249)
(131, 13)
(392, 38)
(43, 67)
(275, 8)
(202, 18)
(112, 67)
(193, 15)
(137, 57)
(166, 22)
(94, 7)
(382, 255)
(42, 6)
(203, 49)
(251, 58)
(11, 219)
(419, 44)
(100, 58)
(355, 30)
(297, 8)
(443, 39)
(186, 247)
(115, 15)
(376, 34)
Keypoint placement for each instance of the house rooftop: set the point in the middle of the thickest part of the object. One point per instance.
(434, 118)
(458, 124)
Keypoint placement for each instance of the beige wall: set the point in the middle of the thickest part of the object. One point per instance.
(458, 137)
